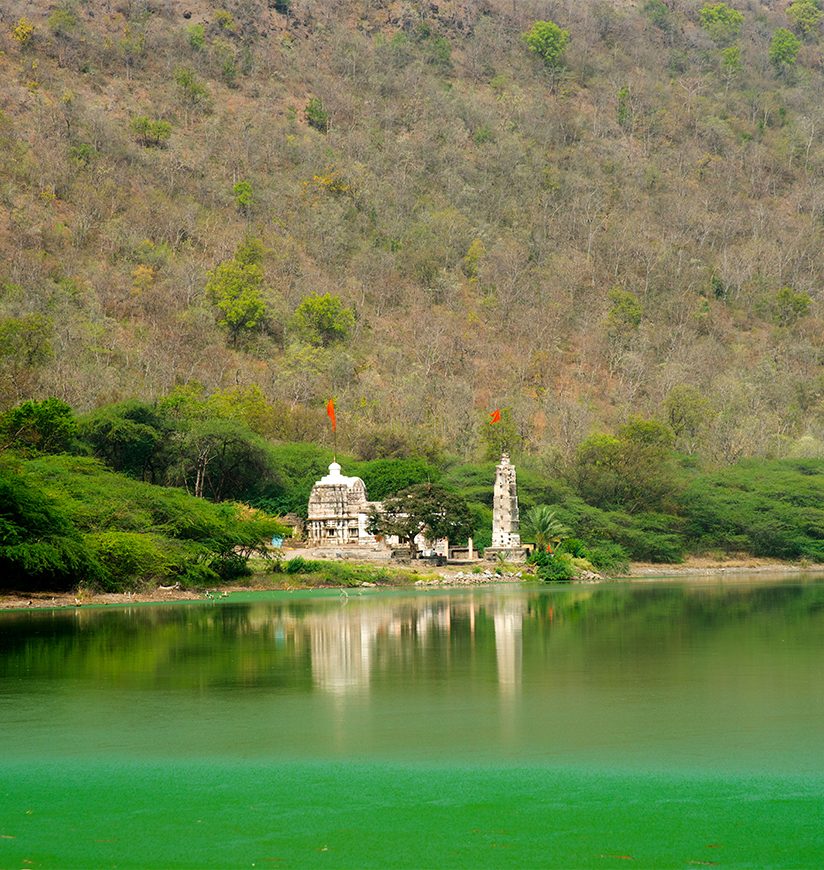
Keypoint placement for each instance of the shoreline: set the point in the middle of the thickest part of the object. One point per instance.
(693, 570)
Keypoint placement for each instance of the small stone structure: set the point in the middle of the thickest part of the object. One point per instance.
(506, 538)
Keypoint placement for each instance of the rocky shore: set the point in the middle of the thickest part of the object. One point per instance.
(487, 577)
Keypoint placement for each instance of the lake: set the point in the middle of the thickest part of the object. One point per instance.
(659, 724)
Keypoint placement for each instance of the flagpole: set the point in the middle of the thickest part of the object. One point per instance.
(495, 417)
(330, 413)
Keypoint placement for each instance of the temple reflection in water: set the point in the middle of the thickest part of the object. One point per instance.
(353, 643)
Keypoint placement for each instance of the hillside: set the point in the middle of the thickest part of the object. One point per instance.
(636, 230)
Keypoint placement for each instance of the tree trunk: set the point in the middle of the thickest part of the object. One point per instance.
(200, 478)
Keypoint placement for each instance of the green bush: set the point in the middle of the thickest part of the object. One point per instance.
(608, 556)
(575, 547)
(336, 573)
(553, 567)
(316, 116)
(194, 93)
(142, 558)
(197, 36)
(230, 566)
(40, 548)
(644, 537)
(299, 565)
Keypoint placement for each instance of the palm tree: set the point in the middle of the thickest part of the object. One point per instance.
(549, 530)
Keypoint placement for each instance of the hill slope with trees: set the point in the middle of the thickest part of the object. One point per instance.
(426, 210)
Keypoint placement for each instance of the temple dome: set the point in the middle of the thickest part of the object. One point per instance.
(335, 478)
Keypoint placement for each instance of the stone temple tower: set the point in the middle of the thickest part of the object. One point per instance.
(505, 520)
(506, 536)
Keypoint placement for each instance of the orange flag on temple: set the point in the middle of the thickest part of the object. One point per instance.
(330, 412)
(495, 417)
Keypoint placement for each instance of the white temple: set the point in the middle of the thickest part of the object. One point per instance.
(339, 511)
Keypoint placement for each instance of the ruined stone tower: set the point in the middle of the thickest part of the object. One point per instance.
(505, 520)
(506, 536)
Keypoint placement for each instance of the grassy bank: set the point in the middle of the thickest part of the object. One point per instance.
(308, 573)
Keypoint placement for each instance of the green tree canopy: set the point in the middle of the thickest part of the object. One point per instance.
(194, 93)
(323, 320)
(789, 305)
(548, 41)
(500, 437)
(633, 470)
(687, 411)
(626, 312)
(425, 509)
(25, 347)
(235, 287)
(151, 132)
(384, 477)
(784, 48)
(131, 437)
(219, 459)
(296, 467)
(658, 14)
(806, 16)
(46, 426)
(722, 22)
(244, 195)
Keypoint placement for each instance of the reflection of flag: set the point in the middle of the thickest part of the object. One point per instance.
(495, 417)
(330, 412)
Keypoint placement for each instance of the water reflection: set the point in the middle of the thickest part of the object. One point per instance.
(706, 673)
(508, 619)
(342, 649)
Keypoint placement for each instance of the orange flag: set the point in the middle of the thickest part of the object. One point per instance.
(495, 417)
(330, 413)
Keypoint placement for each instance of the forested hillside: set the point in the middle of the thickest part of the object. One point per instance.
(406, 206)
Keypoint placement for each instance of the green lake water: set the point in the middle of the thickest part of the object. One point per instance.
(654, 725)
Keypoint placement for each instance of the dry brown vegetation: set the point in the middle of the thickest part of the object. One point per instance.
(581, 245)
